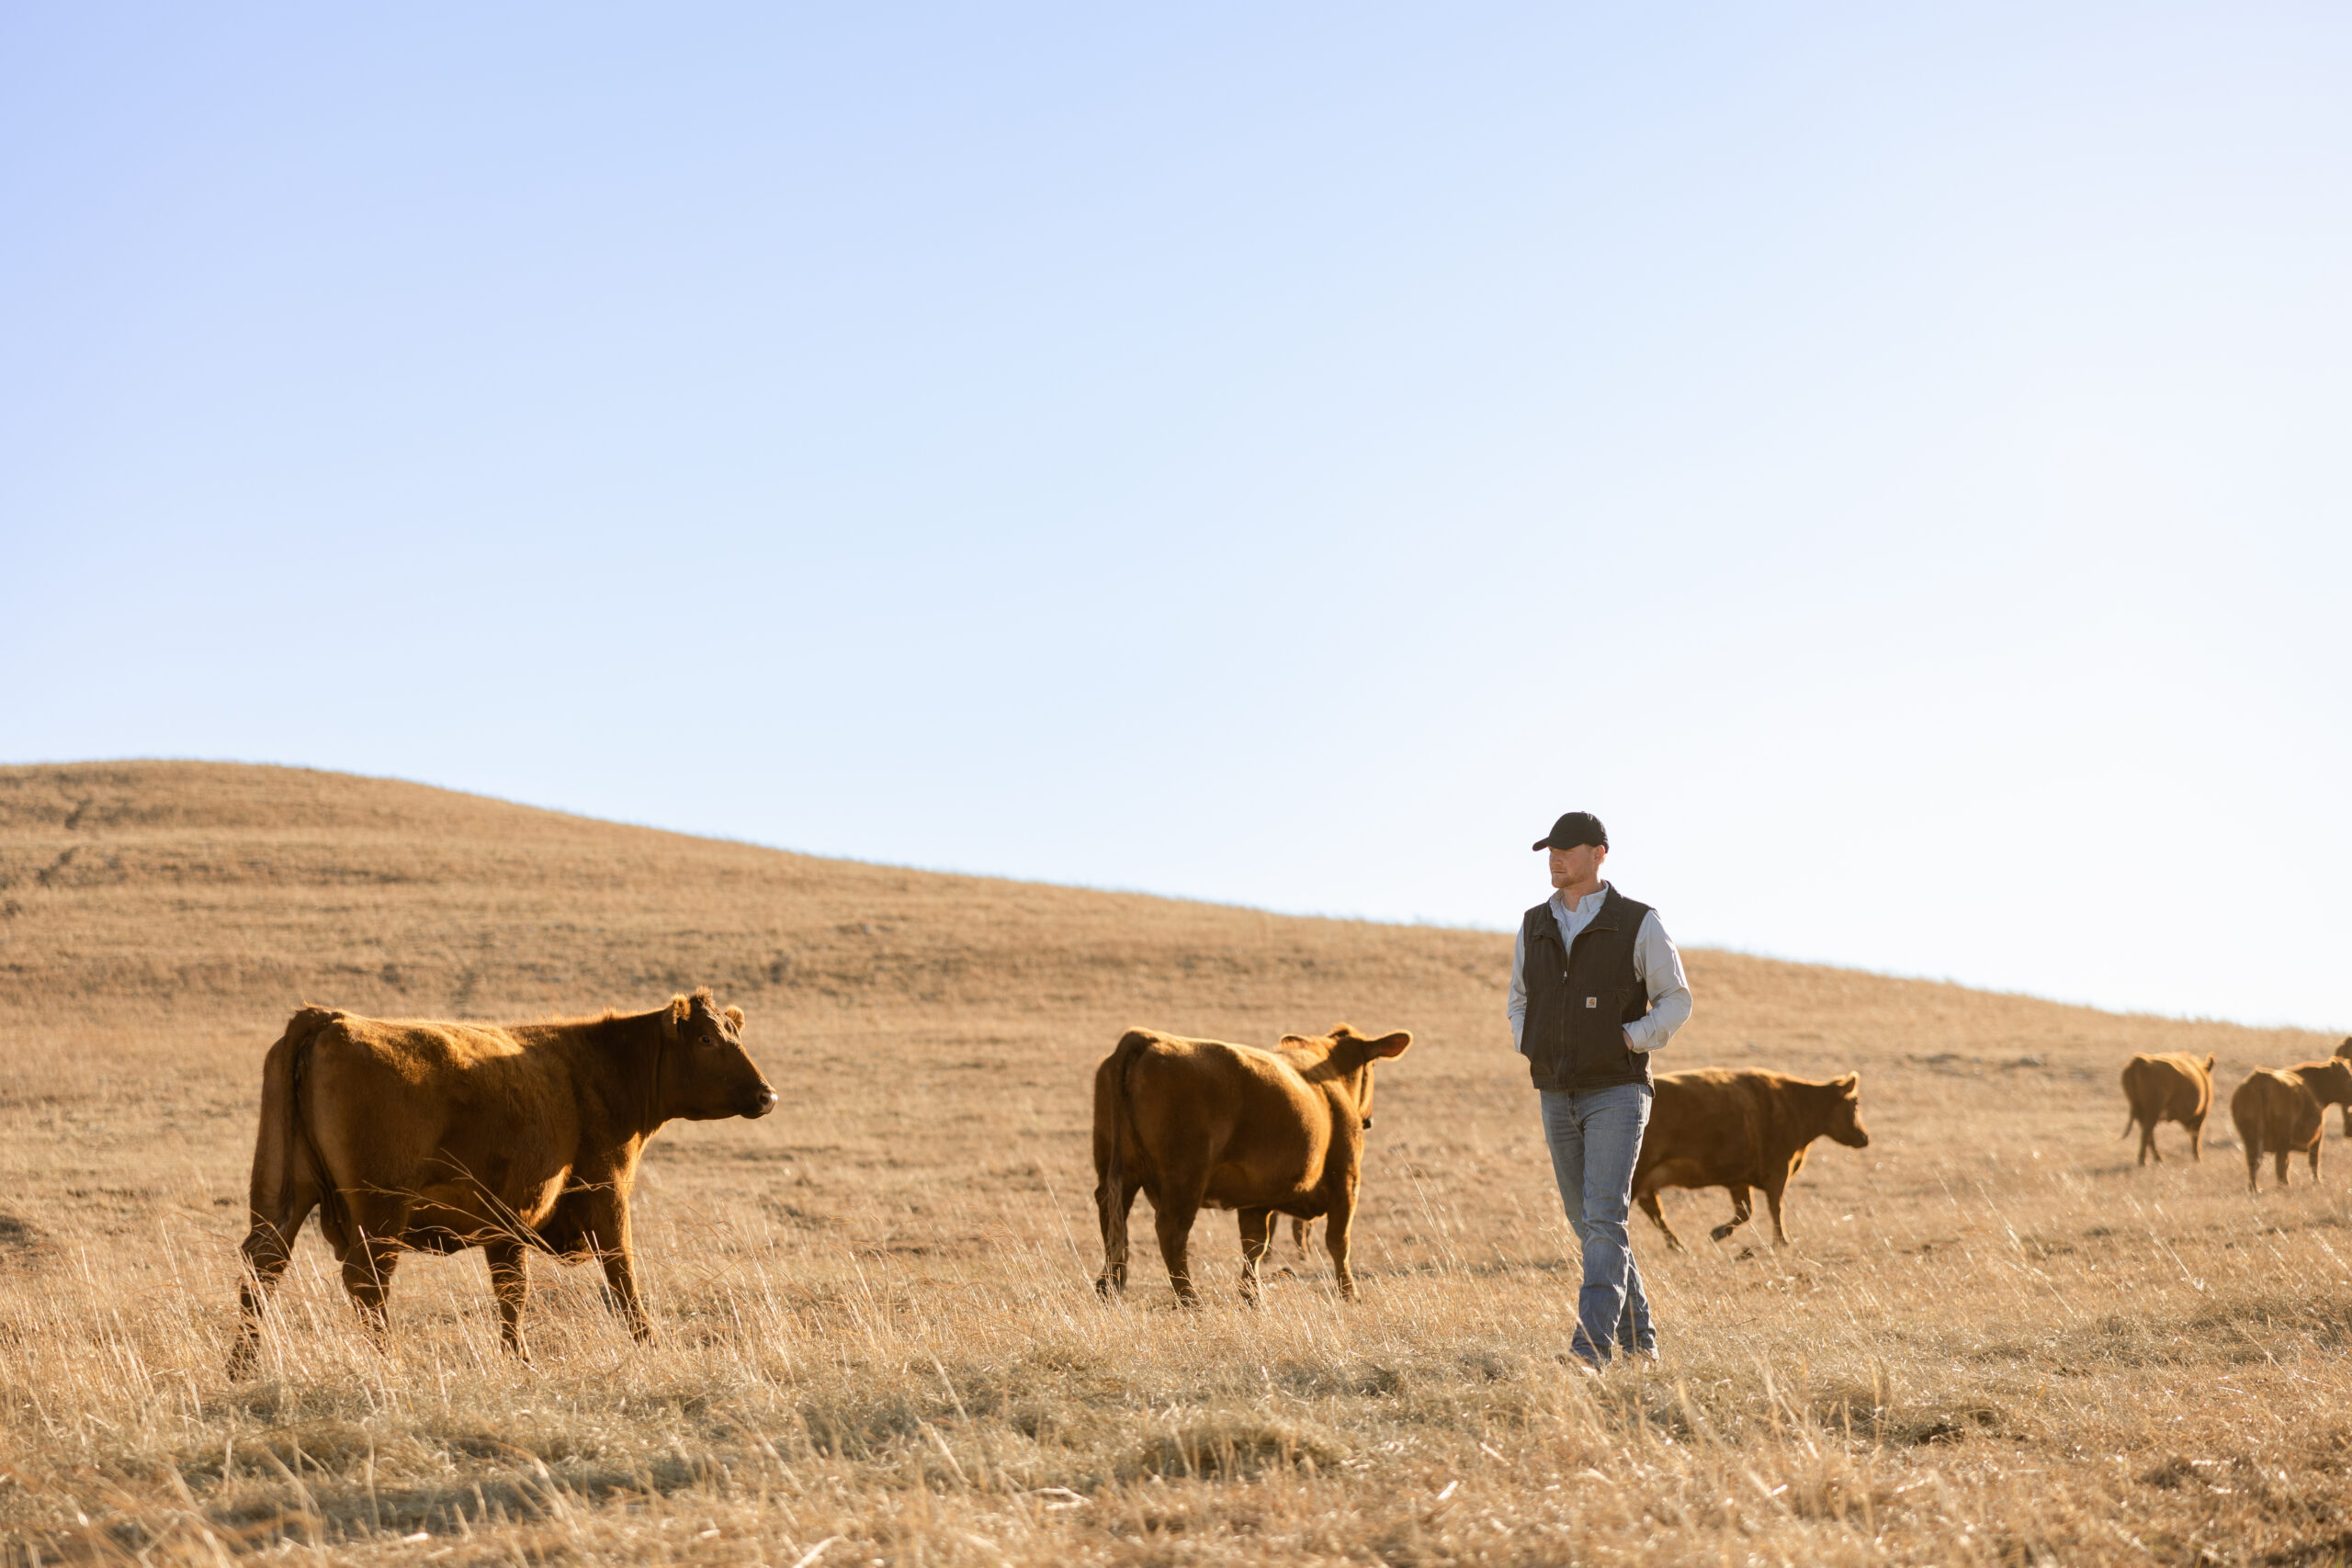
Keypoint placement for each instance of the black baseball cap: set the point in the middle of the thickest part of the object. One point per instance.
(1575, 827)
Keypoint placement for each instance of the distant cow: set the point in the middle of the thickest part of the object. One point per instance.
(1739, 1127)
(434, 1137)
(2344, 1054)
(2175, 1086)
(2282, 1111)
(1195, 1123)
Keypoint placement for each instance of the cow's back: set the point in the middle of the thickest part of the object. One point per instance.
(405, 1102)
(1710, 1123)
(2274, 1111)
(1259, 1131)
(2174, 1087)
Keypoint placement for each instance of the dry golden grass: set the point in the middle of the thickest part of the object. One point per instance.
(1993, 1340)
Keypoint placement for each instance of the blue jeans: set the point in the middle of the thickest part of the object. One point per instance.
(1596, 1136)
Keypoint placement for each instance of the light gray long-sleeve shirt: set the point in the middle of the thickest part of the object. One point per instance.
(1654, 960)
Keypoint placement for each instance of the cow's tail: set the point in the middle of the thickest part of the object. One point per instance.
(276, 1170)
(1109, 1198)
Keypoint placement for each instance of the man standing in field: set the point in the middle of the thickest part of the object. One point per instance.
(1595, 987)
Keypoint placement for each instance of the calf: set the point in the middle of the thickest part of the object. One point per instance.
(2173, 1088)
(434, 1137)
(1195, 1123)
(1739, 1127)
(2282, 1111)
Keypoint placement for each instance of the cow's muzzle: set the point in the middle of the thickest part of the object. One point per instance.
(760, 1103)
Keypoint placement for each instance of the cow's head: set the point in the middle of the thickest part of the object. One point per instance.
(2344, 1050)
(1353, 1056)
(2329, 1081)
(705, 1076)
(1845, 1112)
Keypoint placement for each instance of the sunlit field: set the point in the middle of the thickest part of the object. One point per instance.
(1992, 1338)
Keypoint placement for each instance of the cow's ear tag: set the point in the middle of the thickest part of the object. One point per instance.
(1593, 1001)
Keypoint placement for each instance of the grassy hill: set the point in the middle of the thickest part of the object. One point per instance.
(875, 1321)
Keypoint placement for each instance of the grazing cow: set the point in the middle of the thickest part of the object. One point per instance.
(2283, 1110)
(1195, 1123)
(434, 1137)
(2171, 1088)
(1739, 1127)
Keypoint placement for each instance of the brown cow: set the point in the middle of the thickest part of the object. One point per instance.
(2175, 1086)
(1195, 1123)
(434, 1137)
(2283, 1110)
(1739, 1127)
(2344, 1053)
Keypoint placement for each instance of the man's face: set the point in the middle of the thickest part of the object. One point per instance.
(1582, 863)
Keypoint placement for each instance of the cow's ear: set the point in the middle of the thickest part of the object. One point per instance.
(1851, 1084)
(735, 1018)
(674, 1015)
(1390, 1044)
(1296, 1040)
(2208, 1058)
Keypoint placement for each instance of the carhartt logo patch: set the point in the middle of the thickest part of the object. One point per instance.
(1593, 1001)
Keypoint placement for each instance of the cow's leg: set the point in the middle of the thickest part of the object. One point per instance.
(1174, 1220)
(621, 1293)
(607, 1216)
(2316, 1147)
(367, 1265)
(267, 1248)
(1743, 1207)
(376, 1222)
(2254, 1165)
(2148, 1143)
(1335, 1225)
(2280, 1161)
(1650, 1206)
(1112, 1210)
(1772, 1192)
(1257, 1240)
(1298, 1233)
(509, 1282)
(2196, 1139)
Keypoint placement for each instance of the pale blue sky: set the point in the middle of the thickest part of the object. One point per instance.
(1890, 462)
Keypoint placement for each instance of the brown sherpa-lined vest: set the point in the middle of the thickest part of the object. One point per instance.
(1579, 1001)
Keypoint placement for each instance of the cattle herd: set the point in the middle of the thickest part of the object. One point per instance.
(440, 1137)
(2277, 1110)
